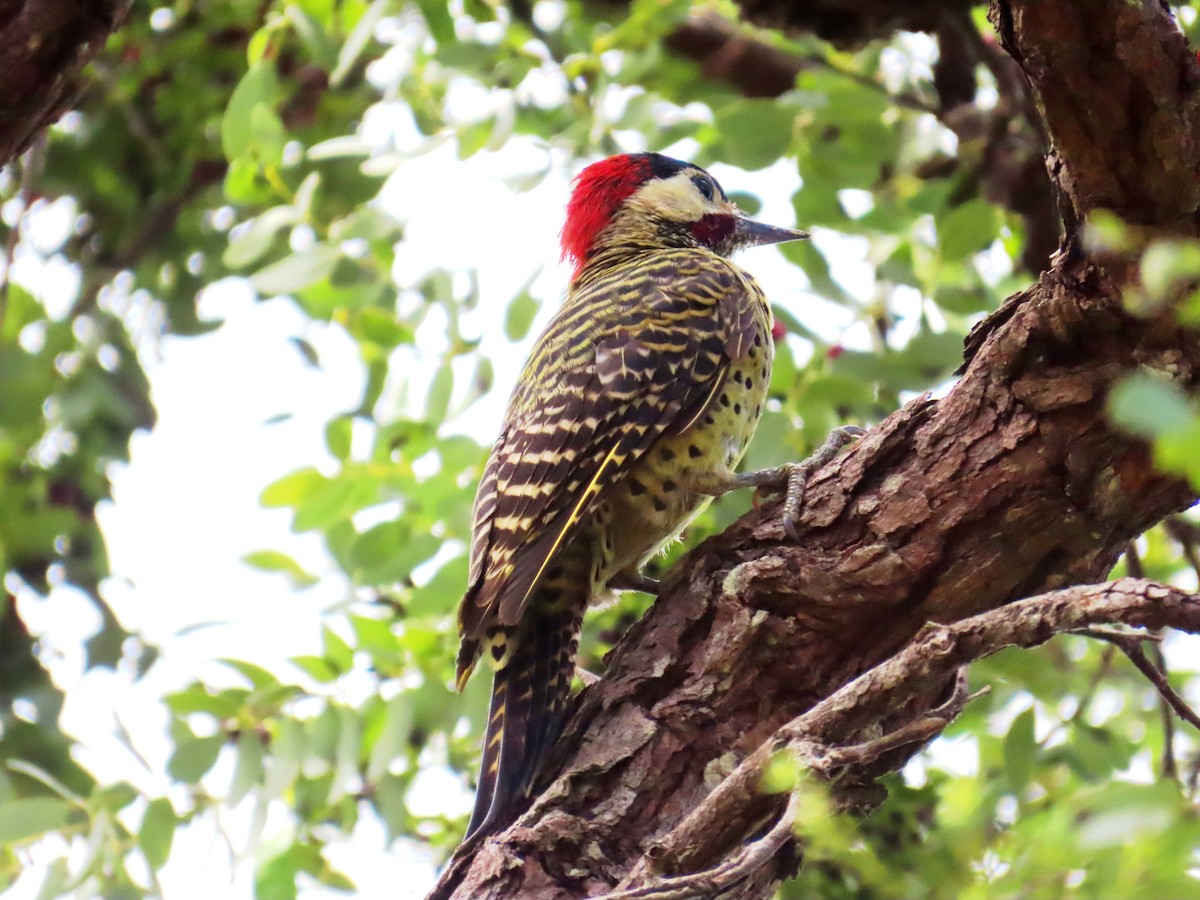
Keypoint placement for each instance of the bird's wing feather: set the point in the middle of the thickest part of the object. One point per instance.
(588, 409)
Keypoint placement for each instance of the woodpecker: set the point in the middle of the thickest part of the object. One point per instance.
(632, 412)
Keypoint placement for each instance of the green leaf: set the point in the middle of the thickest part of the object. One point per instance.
(474, 137)
(380, 327)
(258, 677)
(267, 135)
(389, 802)
(1179, 452)
(22, 309)
(967, 229)
(314, 37)
(437, 17)
(781, 774)
(440, 392)
(336, 650)
(754, 133)
(113, 797)
(317, 668)
(193, 757)
(198, 699)
(244, 182)
(157, 832)
(1166, 263)
(28, 817)
(338, 147)
(1019, 751)
(1149, 405)
(258, 88)
(357, 41)
(1105, 231)
(292, 489)
(56, 882)
(368, 223)
(397, 724)
(255, 240)
(963, 301)
(287, 753)
(521, 310)
(333, 500)
(248, 771)
(276, 878)
(338, 435)
(276, 561)
(298, 271)
(374, 635)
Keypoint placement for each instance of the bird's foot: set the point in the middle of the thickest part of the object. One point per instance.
(634, 581)
(588, 678)
(792, 478)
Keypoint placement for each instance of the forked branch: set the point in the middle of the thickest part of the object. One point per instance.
(822, 739)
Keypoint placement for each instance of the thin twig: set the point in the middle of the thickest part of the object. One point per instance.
(904, 99)
(1131, 645)
(1133, 561)
(1167, 763)
(919, 731)
(1138, 657)
(1187, 534)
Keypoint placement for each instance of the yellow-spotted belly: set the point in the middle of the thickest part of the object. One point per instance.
(658, 498)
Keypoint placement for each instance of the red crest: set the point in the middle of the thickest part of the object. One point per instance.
(600, 189)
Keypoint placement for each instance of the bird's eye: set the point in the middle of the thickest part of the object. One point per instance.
(704, 186)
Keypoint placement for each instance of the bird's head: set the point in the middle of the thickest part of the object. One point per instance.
(647, 199)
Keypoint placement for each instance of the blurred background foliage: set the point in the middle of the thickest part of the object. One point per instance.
(221, 140)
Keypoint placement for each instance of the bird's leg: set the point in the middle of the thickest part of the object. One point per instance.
(633, 580)
(791, 477)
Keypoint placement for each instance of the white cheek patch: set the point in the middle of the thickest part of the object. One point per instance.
(673, 198)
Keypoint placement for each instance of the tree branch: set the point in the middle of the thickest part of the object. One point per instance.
(935, 654)
(43, 48)
(1131, 646)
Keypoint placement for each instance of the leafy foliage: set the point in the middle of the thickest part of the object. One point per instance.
(222, 140)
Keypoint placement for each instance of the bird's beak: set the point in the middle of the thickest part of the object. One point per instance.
(748, 233)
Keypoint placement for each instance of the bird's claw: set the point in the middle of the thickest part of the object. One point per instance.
(798, 473)
(634, 581)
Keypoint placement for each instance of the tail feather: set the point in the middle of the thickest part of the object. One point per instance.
(529, 702)
(558, 643)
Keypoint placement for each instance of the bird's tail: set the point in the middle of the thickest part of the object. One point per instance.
(530, 689)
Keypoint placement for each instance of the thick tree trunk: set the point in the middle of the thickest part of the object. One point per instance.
(1013, 484)
(44, 45)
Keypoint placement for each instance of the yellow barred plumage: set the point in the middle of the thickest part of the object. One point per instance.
(634, 407)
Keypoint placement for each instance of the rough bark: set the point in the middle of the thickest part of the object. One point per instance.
(1011, 485)
(44, 45)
